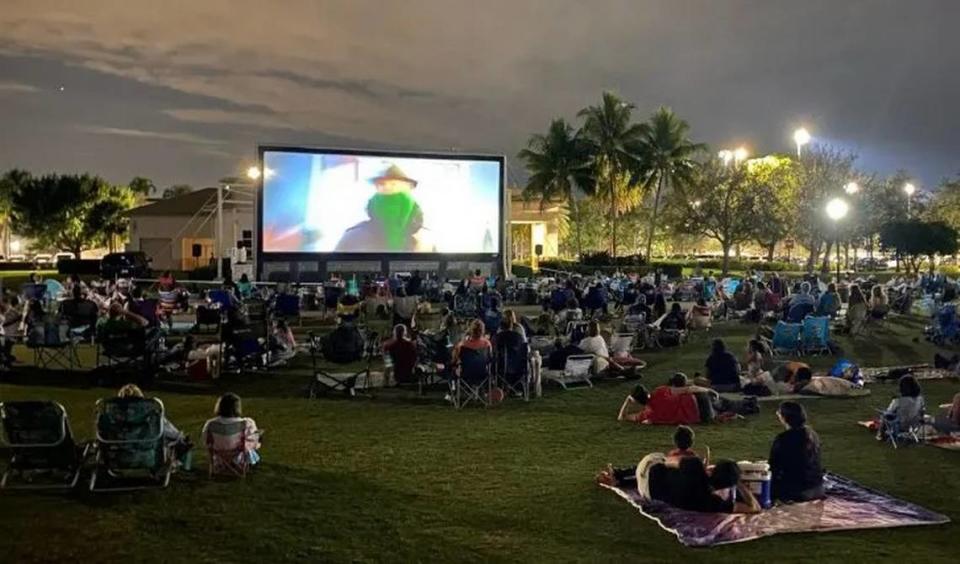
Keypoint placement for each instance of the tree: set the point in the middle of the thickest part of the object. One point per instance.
(717, 202)
(70, 212)
(613, 145)
(142, 186)
(176, 190)
(823, 172)
(915, 239)
(9, 183)
(774, 182)
(945, 204)
(667, 158)
(558, 166)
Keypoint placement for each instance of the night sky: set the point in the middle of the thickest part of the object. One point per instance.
(183, 91)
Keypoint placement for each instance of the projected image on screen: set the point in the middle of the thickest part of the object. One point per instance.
(324, 202)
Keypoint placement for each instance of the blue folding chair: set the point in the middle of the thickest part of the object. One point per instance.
(287, 306)
(816, 335)
(786, 338)
(221, 297)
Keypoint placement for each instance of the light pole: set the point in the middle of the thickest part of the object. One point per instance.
(801, 137)
(837, 209)
(909, 189)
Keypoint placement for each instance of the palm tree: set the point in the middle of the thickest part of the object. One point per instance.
(668, 158)
(613, 143)
(557, 165)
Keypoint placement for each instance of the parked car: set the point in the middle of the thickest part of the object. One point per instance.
(17, 258)
(62, 256)
(43, 260)
(133, 264)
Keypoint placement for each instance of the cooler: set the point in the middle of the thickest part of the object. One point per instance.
(756, 476)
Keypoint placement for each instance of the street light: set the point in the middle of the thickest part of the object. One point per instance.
(851, 188)
(739, 154)
(253, 172)
(837, 209)
(909, 189)
(726, 156)
(801, 137)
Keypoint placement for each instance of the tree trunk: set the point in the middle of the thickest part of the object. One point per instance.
(825, 265)
(653, 216)
(613, 219)
(576, 215)
(771, 248)
(725, 266)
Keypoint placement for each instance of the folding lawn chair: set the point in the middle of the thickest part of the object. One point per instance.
(209, 319)
(876, 318)
(473, 382)
(53, 347)
(345, 345)
(287, 306)
(127, 349)
(40, 443)
(513, 364)
(898, 431)
(229, 447)
(81, 318)
(622, 343)
(576, 370)
(130, 440)
(786, 338)
(815, 337)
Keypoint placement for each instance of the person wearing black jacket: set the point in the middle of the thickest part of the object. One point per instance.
(795, 465)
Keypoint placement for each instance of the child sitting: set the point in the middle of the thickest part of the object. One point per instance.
(906, 409)
(683, 441)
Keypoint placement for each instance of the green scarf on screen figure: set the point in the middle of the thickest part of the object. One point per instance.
(396, 220)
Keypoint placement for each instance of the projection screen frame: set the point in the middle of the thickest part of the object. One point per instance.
(384, 257)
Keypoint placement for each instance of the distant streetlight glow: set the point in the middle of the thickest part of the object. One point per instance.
(697, 203)
(801, 137)
(740, 154)
(14, 246)
(837, 209)
(725, 156)
(253, 172)
(909, 189)
(851, 188)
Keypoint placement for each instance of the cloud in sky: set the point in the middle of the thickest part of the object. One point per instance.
(175, 136)
(441, 74)
(6, 86)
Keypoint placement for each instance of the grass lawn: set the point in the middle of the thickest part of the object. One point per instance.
(400, 478)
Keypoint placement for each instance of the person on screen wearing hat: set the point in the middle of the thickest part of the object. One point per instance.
(396, 220)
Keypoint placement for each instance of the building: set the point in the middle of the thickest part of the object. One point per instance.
(180, 233)
(533, 224)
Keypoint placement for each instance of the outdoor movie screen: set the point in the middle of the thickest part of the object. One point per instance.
(339, 202)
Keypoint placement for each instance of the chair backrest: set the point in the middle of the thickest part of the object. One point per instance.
(208, 315)
(221, 297)
(578, 365)
(621, 343)
(512, 354)
(34, 423)
(798, 312)
(474, 364)
(34, 291)
(816, 330)
(80, 313)
(130, 432)
(287, 305)
(786, 336)
(119, 344)
(226, 436)
(147, 309)
(344, 345)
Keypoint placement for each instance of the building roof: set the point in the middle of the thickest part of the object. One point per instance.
(192, 202)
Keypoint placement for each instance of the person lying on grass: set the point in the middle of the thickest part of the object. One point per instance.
(679, 402)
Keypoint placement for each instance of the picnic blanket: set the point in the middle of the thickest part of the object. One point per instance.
(920, 372)
(848, 506)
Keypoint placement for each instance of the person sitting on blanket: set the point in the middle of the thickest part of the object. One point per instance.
(722, 368)
(907, 408)
(795, 467)
(791, 376)
(228, 409)
(683, 444)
